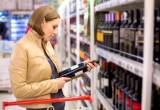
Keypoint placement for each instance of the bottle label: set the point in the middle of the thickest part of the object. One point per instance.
(102, 84)
(74, 67)
(79, 73)
(128, 102)
(122, 33)
(119, 95)
(140, 43)
(132, 35)
(102, 37)
(115, 36)
(106, 82)
(136, 40)
(136, 106)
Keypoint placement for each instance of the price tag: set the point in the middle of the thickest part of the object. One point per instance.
(155, 80)
(120, 63)
(136, 70)
(124, 65)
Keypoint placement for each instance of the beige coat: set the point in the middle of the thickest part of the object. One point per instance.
(30, 72)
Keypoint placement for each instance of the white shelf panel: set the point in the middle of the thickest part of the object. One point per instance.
(73, 58)
(128, 64)
(105, 102)
(86, 101)
(72, 15)
(88, 74)
(84, 40)
(113, 4)
(81, 12)
(73, 36)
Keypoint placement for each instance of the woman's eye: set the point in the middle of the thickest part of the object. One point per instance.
(54, 27)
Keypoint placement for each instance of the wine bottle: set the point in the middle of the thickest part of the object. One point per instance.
(136, 97)
(99, 33)
(107, 82)
(76, 70)
(114, 81)
(128, 33)
(105, 32)
(116, 32)
(133, 34)
(157, 36)
(154, 101)
(117, 85)
(121, 94)
(100, 74)
(140, 38)
(130, 93)
(110, 32)
(126, 101)
(102, 78)
(124, 19)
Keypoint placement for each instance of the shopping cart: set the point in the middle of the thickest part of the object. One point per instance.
(86, 97)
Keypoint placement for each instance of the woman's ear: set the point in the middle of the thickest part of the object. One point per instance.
(43, 23)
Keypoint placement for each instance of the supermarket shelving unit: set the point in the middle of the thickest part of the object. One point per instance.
(149, 71)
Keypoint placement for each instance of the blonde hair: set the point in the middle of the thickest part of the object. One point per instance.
(37, 17)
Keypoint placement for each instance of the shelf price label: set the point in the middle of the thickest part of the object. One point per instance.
(137, 71)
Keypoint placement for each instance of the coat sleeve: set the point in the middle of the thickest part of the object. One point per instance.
(18, 71)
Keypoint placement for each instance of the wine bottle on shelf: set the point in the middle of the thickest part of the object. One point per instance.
(157, 36)
(104, 31)
(116, 32)
(154, 101)
(124, 21)
(136, 97)
(107, 82)
(133, 34)
(118, 84)
(130, 93)
(121, 95)
(114, 81)
(140, 38)
(128, 33)
(126, 101)
(76, 70)
(99, 31)
(100, 74)
(102, 78)
(110, 32)
(108, 19)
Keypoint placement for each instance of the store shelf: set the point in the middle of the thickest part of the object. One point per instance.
(88, 74)
(73, 36)
(128, 64)
(107, 103)
(21, 12)
(86, 101)
(72, 15)
(73, 58)
(81, 12)
(115, 4)
(84, 40)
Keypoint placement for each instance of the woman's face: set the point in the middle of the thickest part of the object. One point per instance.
(50, 28)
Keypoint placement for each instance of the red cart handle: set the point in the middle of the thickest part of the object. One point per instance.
(87, 97)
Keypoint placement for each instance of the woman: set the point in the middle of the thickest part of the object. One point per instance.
(33, 66)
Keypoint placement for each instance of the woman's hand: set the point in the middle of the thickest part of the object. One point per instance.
(90, 65)
(61, 81)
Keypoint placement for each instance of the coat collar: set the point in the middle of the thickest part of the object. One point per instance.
(36, 38)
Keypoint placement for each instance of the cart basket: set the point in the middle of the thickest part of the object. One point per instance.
(86, 97)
